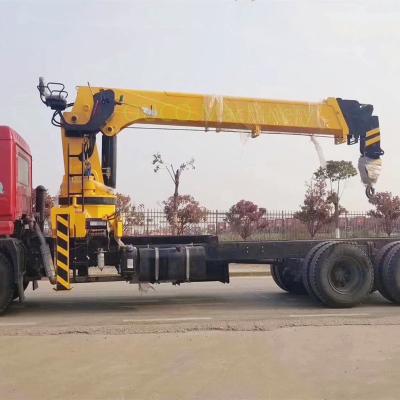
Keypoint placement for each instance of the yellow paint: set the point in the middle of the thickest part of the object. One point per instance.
(62, 236)
(62, 221)
(61, 250)
(63, 266)
(372, 132)
(373, 141)
(66, 285)
(166, 108)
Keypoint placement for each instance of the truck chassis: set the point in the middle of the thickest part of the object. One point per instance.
(335, 273)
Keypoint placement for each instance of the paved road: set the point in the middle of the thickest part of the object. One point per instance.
(254, 303)
(244, 341)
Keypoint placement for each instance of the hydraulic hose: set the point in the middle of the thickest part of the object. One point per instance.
(46, 256)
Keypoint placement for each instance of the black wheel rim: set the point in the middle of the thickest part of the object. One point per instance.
(346, 275)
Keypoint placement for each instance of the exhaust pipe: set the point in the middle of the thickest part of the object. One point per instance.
(40, 205)
(46, 256)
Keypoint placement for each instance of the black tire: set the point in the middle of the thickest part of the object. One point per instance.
(16, 291)
(381, 260)
(276, 276)
(305, 269)
(390, 274)
(341, 275)
(6, 283)
(288, 276)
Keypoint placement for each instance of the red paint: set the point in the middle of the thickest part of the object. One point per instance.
(15, 191)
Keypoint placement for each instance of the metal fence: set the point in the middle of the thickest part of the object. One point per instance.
(276, 225)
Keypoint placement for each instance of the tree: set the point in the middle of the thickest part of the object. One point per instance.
(132, 214)
(175, 175)
(315, 212)
(387, 209)
(245, 218)
(182, 211)
(336, 172)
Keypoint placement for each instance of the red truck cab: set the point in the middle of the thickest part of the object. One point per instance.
(15, 180)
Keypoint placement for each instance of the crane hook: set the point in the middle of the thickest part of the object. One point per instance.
(370, 192)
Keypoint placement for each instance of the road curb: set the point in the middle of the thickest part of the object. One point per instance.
(249, 273)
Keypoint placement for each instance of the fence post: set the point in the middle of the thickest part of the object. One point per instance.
(216, 222)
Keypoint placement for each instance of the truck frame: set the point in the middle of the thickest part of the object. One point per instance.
(87, 228)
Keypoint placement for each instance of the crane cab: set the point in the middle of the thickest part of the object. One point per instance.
(15, 180)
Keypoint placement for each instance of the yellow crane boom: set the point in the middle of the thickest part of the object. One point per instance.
(220, 112)
(86, 191)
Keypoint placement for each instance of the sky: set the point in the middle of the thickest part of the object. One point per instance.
(291, 50)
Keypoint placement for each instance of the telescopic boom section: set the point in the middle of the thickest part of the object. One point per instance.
(348, 121)
(222, 113)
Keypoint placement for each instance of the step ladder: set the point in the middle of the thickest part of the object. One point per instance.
(63, 228)
(70, 175)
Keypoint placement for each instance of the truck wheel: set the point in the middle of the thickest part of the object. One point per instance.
(306, 266)
(341, 275)
(6, 283)
(381, 260)
(390, 274)
(276, 276)
(288, 276)
(16, 292)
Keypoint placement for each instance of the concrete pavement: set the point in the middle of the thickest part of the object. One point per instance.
(243, 341)
(252, 303)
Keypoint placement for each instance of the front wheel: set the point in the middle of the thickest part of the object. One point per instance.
(16, 291)
(6, 283)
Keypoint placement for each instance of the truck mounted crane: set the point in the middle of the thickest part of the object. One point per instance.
(87, 229)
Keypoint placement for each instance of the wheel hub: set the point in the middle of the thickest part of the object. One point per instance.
(343, 276)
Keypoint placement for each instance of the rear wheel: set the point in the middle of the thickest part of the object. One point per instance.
(276, 276)
(341, 275)
(306, 266)
(390, 274)
(6, 283)
(381, 260)
(288, 275)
